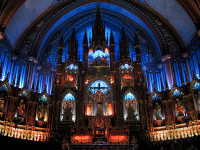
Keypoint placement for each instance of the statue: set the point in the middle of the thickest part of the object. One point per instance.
(1, 106)
(89, 109)
(99, 96)
(100, 112)
(109, 108)
(179, 108)
(67, 108)
(157, 111)
(21, 109)
(130, 111)
(41, 112)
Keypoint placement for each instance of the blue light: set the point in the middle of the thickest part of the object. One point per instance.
(69, 96)
(23, 17)
(40, 86)
(151, 82)
(158, 82)
(4, 88)
(22, 76)
(156, 97)
(129, 96)
(4, 70)
(99, 85)
(98, 53)
(23, 94)
(173, 12)
(177, 92)
(126, 66)
(102, 5)
(184, 72)
(43, 98)
(196, 86)
(16, 74)
(177, 74)
(72, 67)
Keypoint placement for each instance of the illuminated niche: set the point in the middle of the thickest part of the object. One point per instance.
(68, 112)
(41, 114)
(21, 107)
(98, 56)
(3, 93)
(196, 89)
(179, 108)
(99, 99)
(130, 107)
(158, 111)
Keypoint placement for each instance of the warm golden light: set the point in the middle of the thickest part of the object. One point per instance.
(109, 109)
(106, 50)
(1, 35)
(89, 110)
(90, 51)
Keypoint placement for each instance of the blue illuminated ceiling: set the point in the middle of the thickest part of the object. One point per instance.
(31, 9)
(25, 15)
(118, 11)
(86, 22)
(173, 12)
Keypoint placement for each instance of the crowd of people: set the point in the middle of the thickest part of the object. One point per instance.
(13, 143)
(180, 144)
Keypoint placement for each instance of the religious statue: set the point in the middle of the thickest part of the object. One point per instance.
(41, 112)
(1, 106)
(67, 108)
(21, 108)
(179, 108)
(131, 116)
(99, 96)
(89, 109)
(100, 112)
(64, 104)
(109, 108)
(157, 111)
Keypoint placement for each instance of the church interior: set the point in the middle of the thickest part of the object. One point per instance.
(100, 74)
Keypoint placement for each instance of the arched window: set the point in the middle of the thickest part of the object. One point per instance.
(99, 99)
(130, 107)
(68, 108)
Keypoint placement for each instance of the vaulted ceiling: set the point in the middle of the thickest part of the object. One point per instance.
(32, 25)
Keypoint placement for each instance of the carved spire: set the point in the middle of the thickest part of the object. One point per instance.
(137, 48)
(98, 21)
(60, 46)
(60, 50)
(73, 46)
(124, 46)
(112, 40)
(137, 43)
(85, 42)
(61, 42)
(98, 30)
